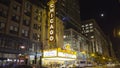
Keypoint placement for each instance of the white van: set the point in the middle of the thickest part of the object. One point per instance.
(80, 63)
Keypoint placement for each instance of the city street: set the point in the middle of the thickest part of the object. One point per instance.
(105, 67)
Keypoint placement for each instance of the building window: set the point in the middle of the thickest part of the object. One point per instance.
(63, 4)
(26, 22)
(82, 28)
(82, 32)
(87, 28)
(37, 27)
(86, 25)
(87, 31)
(13, 29)
(91, 24)
(27, 10)
(91, 30)
(92, 36)
(16, 18)
(82, 25)
(16, 8)
(2, 42)
(36, 36)
(33, 46)
(38, 18)
(25, 33)
(36, 10)
(2, 25)
(3, 12)
(38, 15)
(91, 27)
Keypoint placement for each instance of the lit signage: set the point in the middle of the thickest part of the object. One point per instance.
(50, 53)
(59, 53)
(51, 22)
(66, 55)
(66, 51)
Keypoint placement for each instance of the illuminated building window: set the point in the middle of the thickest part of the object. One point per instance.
(36, 36)
(16, 8)
(86, 25)
(38, 16)
(92, 36)
(91, 30)
(13, 29)
(82, 25)
(87, 28)
(91, 27)
(26, 21)
(33, 46)
(91, 24)
(83, 28)
(87, 31)
(25, 33)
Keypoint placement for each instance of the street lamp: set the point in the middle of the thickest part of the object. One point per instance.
(103, 58)
(119, 33)
(92, 54)
(83, 52)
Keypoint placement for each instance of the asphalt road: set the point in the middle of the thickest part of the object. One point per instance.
(104, 67)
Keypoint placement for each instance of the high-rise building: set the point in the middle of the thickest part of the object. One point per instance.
(69, 12)
(24, 29)
(91, 30)
(78, 43)
(20, 30)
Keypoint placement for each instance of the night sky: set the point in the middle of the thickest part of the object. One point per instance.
(111, 19)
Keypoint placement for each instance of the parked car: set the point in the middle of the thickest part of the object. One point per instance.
(90, 64)
(80, 63)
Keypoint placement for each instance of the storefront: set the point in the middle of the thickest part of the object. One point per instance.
(58, 56)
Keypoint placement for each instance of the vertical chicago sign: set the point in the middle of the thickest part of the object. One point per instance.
(51, 23)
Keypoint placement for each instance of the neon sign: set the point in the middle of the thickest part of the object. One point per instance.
(52, 22)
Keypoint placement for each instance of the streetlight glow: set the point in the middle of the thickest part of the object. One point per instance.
(92, 55)
(119, 33)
